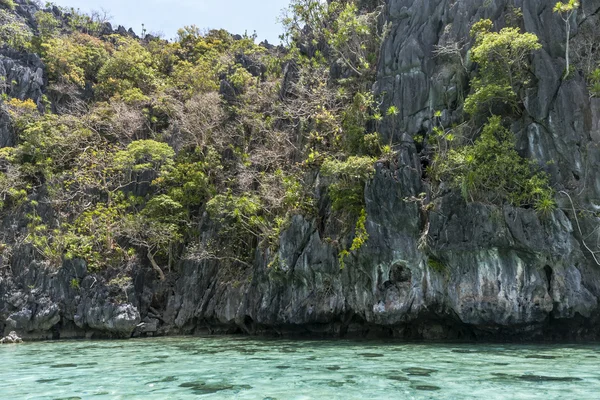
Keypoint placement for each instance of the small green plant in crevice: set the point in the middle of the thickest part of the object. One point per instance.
(594, 83)
(436, 265)
(350, 177)
(120, 281)
(275, 263)
(360, 238)
(360, 232)
(342, 258)
(75, 284)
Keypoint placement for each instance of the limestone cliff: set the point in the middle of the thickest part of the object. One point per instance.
(450, 270)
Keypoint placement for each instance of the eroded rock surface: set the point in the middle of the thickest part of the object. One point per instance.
(447, 271)
(11, 338)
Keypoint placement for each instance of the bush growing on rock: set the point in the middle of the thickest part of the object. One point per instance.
(10, 4)
(131, 66)
(503, 68)
(75, 58)
(14, 32)
(492, 171)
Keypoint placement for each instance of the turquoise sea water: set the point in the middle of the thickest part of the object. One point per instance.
(248, 368)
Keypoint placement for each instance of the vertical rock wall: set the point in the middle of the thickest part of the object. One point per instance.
(450, 270)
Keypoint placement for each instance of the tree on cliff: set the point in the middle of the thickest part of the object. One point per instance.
(488, 168)
(503, 67)
(566, 11)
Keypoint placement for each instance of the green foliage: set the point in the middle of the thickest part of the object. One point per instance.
(360, 232)
(566, 7)
(13, 190)
(203, 62)
(360, 238)
(350, 176)
(351, 34)
(76, 58)
(75, 283)
(22, 112)
(347, 195)
(163, 208)
(82, 22)
(392, 111)
(594, 80)
(195, 78)
(295, 197)
(492, 170)
(48, 242)
(157, 227)
(486, 96)
(237, 211)
(121, 281)
(93, 236)
(143, 155)
(240, 78)
(188, 180)
(240, 219)
(111, 188)
(436, 265)
(134, 97)
(503, 60)
(131, 66)
(14, 32)
(354, 121)
(50, 144)
(342, 258)
(195, 45)
(566, 10)
(10, 4)
(47, 25)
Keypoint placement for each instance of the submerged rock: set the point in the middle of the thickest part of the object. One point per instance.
(427, 387)
(416, 371)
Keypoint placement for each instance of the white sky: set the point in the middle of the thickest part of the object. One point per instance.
(166, 16)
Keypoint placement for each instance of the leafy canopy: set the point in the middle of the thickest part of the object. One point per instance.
(491, 170)
(503, 60)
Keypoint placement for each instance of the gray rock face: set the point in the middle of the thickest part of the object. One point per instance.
(22, 75)
(11, 338)
(446, 270)
(40, 302)
(449, 270)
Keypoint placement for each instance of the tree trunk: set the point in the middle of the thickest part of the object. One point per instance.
(567, 44)
(155, 266)
(170, 256)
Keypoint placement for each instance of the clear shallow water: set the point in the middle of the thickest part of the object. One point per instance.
(244, 368)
